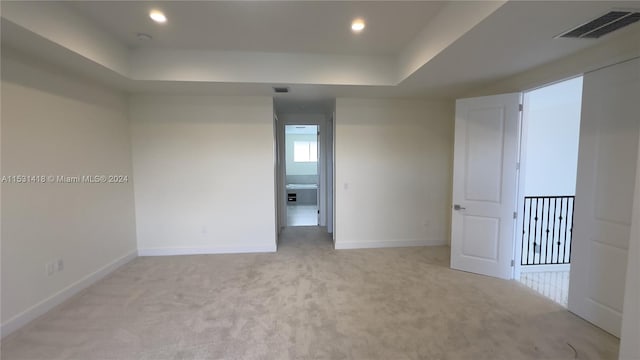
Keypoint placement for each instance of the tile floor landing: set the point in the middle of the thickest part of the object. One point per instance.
(551, 284)
(302, 215)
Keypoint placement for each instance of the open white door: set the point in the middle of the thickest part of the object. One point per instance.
(607, 153)
(484, 184)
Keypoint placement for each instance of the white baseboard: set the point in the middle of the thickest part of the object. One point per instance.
(542, 268)
(56, 299)
(344, 245)
(207, 250)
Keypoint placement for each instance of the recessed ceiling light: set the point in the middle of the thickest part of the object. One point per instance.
(357, 25)
(157, 16)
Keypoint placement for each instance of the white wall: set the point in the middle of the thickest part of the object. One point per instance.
(552, 118)
(54, 124)
(204, 170)
(393, 172)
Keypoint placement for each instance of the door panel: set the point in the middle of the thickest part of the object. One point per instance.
(606, 178)
(485, 228)
(604, 271)
(484, 139)
(484, 184)
(613, 149)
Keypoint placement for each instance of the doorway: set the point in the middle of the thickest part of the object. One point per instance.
(484, 171)
(550, 131)
(304, 150)
(495, 145)
(302, 174)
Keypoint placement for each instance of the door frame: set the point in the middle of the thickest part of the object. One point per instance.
(522, 172)
(520, 183)
(521, 157)
(325, 160)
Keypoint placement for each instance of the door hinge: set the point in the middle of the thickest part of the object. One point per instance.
(520, 107)
(515, 214)
(513, 263)
(318, 211)
(517, 166)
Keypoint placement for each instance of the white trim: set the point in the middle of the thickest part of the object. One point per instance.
(520, 192)
(294, 119)
(543, 268)
(207, 250)
(343, 245)
(520, 184)
(56, 299)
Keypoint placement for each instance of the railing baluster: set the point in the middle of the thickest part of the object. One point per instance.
(524, 215)
(564, 253)
(546, 235)
(566, 222)
(543, 249)
(531, 240)
(553, 231)
(571, 228)
(543, 233)
(535, 235)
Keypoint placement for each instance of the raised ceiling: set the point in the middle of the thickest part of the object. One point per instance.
(408, 49)
(283, 26)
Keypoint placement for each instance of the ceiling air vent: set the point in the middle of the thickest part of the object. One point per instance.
(609, 22)
(281, 90)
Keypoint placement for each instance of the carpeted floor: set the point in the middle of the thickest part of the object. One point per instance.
(307, 301)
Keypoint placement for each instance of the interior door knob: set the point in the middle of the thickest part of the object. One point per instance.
(458, 207)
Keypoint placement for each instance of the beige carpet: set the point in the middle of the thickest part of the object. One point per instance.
(307, 302)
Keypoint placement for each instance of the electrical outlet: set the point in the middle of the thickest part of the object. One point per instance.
(49, 268)
(59, 265)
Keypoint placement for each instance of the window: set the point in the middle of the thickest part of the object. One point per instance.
(305, 151)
